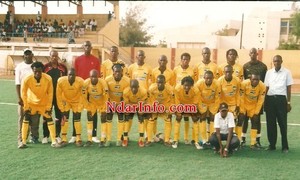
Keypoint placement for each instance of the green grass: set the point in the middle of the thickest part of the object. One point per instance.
(157, 162)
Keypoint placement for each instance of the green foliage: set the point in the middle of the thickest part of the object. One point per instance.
(289, 45)
(133, 29)
(295, 22)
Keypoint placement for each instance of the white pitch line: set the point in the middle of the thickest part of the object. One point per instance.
(10, 104)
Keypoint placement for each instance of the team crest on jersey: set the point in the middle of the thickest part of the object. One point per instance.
(117, 87)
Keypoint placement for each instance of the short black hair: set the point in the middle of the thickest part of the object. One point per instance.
(185, 54)
(118, 65)
(188, 79)
(161, 76)
(37, 64)
(232, 50)
(209, 72)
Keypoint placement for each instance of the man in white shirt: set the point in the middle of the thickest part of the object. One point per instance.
(224, 125)
(279, 82)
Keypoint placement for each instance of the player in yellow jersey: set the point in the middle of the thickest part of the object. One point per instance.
(36, 94)
(106, 66)
(164, 70)
(206, 65)
(134, 96)
(95, 97)
(69, 97)
(209, 89)
(161, 93)
(230, 93)
(181, 71)
(186, 96)
(116, 84)
(231, 56)
(252, 98)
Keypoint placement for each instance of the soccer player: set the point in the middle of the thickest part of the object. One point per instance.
(230, 94)
(95, 97)
(231, 56)
(209, 89)
(206, 65)
(56, 70)
(186, 95)
(181, 71)
(83, 65)
(69, 97)
(224, 124)
(252, 98)
(134, 95)
(162, 93)
(37, 94)
(253, 66)
(22, 70)
(116, 84)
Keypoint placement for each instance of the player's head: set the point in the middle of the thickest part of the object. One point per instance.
(187, 83)
(71, 75)
(87, 46)
(37, 68)
(254, 78)
(118, 71)
(140, 56)
(114, 53)
(28, 55)
(223, 108)
(161, 81)
(206, 54)
(228, 71)
(208, 77)
(253, 54)
(231, 56)
(185, 60)
(94, 76)
(277, 61)
(162, 61)
(134, 86)
(54, 56)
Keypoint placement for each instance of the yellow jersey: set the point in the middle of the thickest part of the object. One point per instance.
(95, 94)
(201, 68)
(106, 68)
(181, 73)
(141, 73)
(164, 97)
(130, 98)
(168, 73)
(237, 70)
(230, 91)
(116, 88)
(192, 97)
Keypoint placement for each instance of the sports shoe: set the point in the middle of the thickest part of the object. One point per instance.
(193, 142)
(119, 143)
(198, 146)
(63, 143)
(269, 148)
(101, 144)
(168, 144)
(95, 140)
(175, 144)
(79, 143)
(88, 144)
(285, 151)
(255, 147)
(125, 143)
(187, 142)
(55, 145)
(243, 144)
(45, 140)
(58, 140)
(107, 144)
(148, 143)
(258, 144)
(141, 143)
(22, 146)
(73, 139)
(34, 140)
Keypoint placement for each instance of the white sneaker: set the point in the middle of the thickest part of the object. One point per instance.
(175, 145)
(73, 139)
(95, 140)
(198, 146)
(58, 140)
(45, 140)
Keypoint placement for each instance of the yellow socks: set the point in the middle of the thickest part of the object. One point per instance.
(78, 130)
(202, 128)
(129, 125)
(120, 130)
(51, 128)
(89, 127)
(25, 127)
(176, 131)
(238, 131)
(211, 128)
(103, 131)
(168, 127)
(64, 130)
(196, 131)
(186, 129)
(253, 133)
(109, 130)
(149, 129)
(126, 129)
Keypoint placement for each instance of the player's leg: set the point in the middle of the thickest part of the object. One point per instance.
(94, 129)
(34, 127)
(202, 127)
(58, 117)
(78, 128)
(64, 127)
(120, 129)
(141, 129)
(46, 132)
(51, 127)
(186, 129)
(150, 128)
(25, 127)
(103, 128)
(89, 125)
(167, 129)
(127, 117)
(195, 119)
(108, 133)
(253, 131)
(177, 130)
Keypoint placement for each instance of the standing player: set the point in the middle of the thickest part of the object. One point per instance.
(253, 66)
(209, 89)
(252, 98)
(231, 56)
(69, 97)
(56, 70)
(116, 84)
(83, 65)
(95, 97)
(164, 70)
(132, 96)
(162, 93)
(37, 93)
(187, 95)
(181, 71)
(206, 65)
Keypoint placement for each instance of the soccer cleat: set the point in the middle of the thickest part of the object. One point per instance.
(119, 143)
(88, 144)
(45, 140)
(95, 140)
(175, 144)
(79, 143)
(107, 144)
(258, 144)
(255, 147)
(22, 146)
(34, 140)
(168, 144)
(63, 143)
(198, 146)
(193, 142)
(148, 143)
(58, 140)
(72, 140)
(101, 144)
(285, 151)
(269, 148)
(187, 142)
(141, 143)
(243, 144)
(125, 143)
(55, 145)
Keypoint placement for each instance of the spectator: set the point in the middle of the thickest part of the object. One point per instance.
(71, 37)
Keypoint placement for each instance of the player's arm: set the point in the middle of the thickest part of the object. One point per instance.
(237, 96)
(24, 88)
(261, 97)
(242, 97)
(85, 94)
(59, 92)
(50, 95)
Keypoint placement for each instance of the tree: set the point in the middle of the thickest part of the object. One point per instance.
(223, 32)
(295, 23)
(133, 29)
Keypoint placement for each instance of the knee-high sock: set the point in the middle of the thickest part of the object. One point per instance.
(176, 131)
(238, 131)
(141, 130)
(129, 125)
(186, 129)
(64, 130)
(109, 130)
(103, 131)
(196, 131)
(25, 126)
(149, 129)
(168, 128)
(89, 127)
(253, 133)
(155, 127)
(126, 129)
(78, 130)
(211, 128)
(120, 130)
(202, 129)
(145, 125)
(51, 128)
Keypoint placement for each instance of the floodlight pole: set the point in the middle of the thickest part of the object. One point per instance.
(241, 39)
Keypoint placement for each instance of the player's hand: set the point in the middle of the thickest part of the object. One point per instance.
(225, 153)
(20, 102)
(49, 112)
(63, 120)
(289, 108)
(221, 151)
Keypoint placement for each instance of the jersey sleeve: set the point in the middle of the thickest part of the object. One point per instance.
(261, 97)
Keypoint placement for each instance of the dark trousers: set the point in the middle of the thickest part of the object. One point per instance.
(234, 142)
(95, 120)
(276, 111)
(58, 116)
